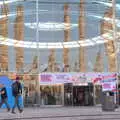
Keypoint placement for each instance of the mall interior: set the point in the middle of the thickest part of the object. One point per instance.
(47, 42)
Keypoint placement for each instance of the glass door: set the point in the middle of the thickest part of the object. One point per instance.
(51, 94)
(83, 95)
(68, 96)
(97, 94)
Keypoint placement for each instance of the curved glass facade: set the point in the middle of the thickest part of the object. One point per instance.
(57, 36)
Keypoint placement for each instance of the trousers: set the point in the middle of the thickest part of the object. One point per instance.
(4, 101)
(16, 103)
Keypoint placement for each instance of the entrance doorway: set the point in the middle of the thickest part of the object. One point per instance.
(97, 94)
(83, 95)
(51, 94)
(68, 95)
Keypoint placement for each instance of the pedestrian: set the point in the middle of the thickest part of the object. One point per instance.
(4, 97)
(17, 93)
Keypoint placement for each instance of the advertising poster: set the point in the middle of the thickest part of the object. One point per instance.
(55, 78)
(61, 78)
(109, 81)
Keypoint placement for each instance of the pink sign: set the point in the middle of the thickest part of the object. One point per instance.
(109, 82)
(55, 78)
(61, 78)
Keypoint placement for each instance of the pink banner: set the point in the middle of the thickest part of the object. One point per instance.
(55, 78)
(109, 82)
(78, 78)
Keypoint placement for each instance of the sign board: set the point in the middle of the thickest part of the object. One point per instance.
(61, 78)
(109, 82)
(55, 78)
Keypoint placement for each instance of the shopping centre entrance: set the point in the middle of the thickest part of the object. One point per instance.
(51, 94)
(83, 95)
(97, 94)
(46, 93)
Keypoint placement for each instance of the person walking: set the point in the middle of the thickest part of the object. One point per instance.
(17, 92)
(4, 97)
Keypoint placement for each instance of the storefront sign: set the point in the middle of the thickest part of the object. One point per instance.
(109, 82)
(60, 78)
(80, 79)
(55, 78)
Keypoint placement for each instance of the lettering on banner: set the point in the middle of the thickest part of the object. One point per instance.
(63, 78)
(46, 78)
(106, 86)
(60, 76)
(109, 76)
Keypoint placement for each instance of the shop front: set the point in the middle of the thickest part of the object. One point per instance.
(83, 90)
(51, 94)
(97, 94)
(64, 89)
(102, 83)
(52, 89)
(83, 95)
(58, 89)
(31, 90)
(68, 94)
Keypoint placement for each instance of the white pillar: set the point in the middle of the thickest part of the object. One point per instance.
(37, 44)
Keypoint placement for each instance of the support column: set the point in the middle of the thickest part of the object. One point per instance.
(4, 34)
(107, 27)
(19, 35)
(51, 61)
(81, 22)
(66, 37)
(99, 63)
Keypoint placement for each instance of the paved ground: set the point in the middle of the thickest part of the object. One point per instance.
(61, 113)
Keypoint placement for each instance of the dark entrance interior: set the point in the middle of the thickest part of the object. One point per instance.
(68, 95)
(83, 95)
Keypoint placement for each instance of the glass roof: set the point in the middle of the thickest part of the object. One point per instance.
(47, 31)
(51, 24)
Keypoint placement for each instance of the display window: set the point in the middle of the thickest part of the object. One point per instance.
(51, 94)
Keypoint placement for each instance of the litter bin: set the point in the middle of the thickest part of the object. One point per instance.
(108, 101)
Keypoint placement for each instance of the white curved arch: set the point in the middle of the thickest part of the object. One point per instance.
(58, 45)
(108, 4)
(72, 44)
(50, 26)
(9, 1)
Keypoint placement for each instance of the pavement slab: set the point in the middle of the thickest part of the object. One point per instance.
(61, 113)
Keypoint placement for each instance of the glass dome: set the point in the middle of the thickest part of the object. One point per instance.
(36, 27)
